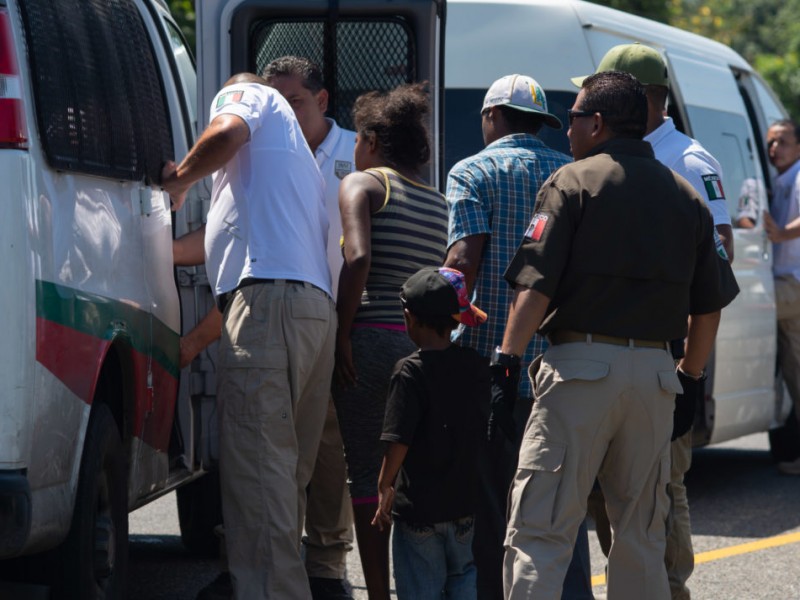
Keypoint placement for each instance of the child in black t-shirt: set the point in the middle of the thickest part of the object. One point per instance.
(433, 429)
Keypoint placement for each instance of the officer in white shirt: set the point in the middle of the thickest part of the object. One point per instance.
(329, 514)
(265, 251)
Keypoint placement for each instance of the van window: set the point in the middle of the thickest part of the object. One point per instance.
(99, 99)
(185, 63)
(726, 136)
(357, 55)
(771, 107)
(462, 123)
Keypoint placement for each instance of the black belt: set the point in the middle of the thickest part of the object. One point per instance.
(224, 299)
(565, 336)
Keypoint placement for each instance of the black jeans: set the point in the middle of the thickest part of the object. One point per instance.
(497, 464)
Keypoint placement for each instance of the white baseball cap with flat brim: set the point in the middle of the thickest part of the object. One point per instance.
(523, 93)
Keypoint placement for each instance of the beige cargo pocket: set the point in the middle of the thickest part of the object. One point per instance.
(568, 369)
(669, 382)
(254, 384)
(532, 499)
(310, 308)
(658, 520)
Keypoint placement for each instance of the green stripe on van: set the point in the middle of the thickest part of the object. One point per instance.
(101, 317)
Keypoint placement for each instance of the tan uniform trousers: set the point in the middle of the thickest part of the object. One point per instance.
(276, 362)
(329, 514)
(679, 555)
(787, 300)
(600, 411)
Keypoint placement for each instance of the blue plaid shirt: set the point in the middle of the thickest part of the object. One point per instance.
(493, 193)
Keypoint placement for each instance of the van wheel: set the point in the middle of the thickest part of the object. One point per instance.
(784, 441)
(95, 554)
(199, 511)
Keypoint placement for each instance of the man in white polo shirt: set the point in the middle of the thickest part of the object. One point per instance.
(329, 514)
(265, 251)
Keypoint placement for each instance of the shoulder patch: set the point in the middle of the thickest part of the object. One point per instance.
(229, 98)
(536, 228)
(713, 187)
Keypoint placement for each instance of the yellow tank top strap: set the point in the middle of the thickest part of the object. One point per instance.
(384, 173)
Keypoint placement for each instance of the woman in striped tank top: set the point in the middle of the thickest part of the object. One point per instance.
(394, 224)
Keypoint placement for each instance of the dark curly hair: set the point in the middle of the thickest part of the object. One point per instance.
(398, 120)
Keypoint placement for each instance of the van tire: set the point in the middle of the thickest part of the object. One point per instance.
(95, 553)
(199, 512)
(784, 441)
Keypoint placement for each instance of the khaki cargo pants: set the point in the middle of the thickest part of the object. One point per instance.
(600, 411)
(276, 362)
(787, 305)
(329, 514)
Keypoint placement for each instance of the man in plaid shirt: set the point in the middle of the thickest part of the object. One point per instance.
(491, 197)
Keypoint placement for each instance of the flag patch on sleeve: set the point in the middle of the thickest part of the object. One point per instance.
(713, 187)
(536, 228)
(229, 98)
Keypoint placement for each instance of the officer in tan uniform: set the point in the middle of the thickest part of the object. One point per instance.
(609, 291)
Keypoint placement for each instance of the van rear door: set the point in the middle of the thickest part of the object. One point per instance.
(361, 46)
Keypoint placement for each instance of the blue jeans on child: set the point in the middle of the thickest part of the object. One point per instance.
(434, 560)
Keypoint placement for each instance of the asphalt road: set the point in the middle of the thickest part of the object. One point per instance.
(745, 522)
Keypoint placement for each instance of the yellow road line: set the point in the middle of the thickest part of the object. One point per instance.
(772, 542)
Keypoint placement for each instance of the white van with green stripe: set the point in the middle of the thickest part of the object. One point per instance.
(94, 98)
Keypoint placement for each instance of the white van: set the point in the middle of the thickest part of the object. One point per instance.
(96, 418)
(716, 97)
(94, 97)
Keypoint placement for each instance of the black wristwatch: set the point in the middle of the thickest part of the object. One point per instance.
(504, 360)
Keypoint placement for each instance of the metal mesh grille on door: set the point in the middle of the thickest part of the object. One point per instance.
(356, 55)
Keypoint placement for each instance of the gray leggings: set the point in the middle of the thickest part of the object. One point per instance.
(360, 409)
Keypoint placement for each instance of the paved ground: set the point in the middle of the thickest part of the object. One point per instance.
(745, 517)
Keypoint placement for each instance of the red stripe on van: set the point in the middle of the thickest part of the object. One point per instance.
(75, 357)
(72, 356)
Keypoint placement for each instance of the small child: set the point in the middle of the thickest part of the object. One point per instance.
(433, 429)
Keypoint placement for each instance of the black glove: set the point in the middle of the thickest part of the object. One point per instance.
(694, 392)
(505, 383)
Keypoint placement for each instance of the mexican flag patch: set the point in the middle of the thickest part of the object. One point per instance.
(713, 187)
(536, 228)
(229, 98)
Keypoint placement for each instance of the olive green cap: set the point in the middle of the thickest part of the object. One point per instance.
(643, 62)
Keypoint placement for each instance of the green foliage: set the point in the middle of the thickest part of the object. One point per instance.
(183, 13)
(765, 32)
(782, 72)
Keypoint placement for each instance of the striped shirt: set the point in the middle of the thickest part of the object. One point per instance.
(493, 193)
(408, 233)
